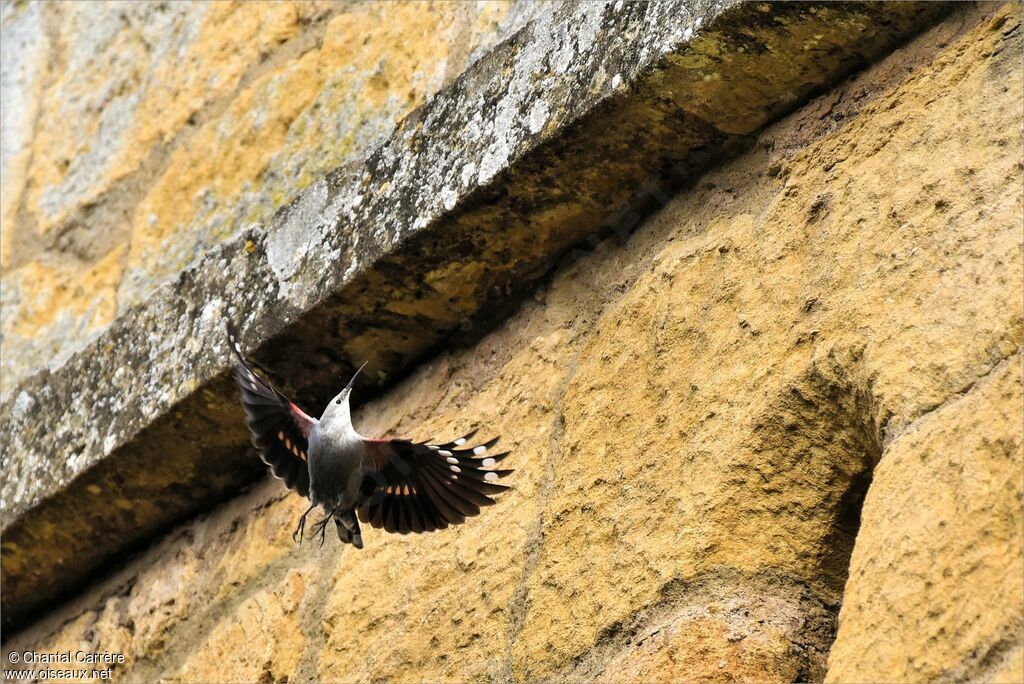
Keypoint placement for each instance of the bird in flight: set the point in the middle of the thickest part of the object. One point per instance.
(395, 484)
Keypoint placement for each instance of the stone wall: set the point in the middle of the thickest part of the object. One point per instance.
(137, 135)
(775, 434)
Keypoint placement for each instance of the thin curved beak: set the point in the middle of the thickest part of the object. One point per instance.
(352, 381)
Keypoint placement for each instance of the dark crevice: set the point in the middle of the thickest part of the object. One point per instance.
(843, 534)
(821, 433)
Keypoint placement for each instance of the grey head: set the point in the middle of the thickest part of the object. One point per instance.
(338, 414)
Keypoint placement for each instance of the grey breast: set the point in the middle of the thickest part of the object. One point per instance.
(335, 467)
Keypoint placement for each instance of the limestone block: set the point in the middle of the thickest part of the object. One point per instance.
(696, 415)
(444, 223)
(160, 129)
(935, 589)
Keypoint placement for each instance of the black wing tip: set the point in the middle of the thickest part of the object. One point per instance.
(453, 486)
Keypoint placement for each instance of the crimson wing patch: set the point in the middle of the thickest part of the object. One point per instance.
(420, 487)
(279, 428)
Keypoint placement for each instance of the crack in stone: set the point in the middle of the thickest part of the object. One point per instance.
(679, 595)
(951, 399)
(992, 660)
(535, 539)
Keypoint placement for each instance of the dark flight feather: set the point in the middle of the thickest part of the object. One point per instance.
(279, 428)
(419, 487)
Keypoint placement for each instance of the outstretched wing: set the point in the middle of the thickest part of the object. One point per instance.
(279, 428)
(419, 487)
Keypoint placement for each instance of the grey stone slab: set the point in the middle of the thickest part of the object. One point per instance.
(528, 153)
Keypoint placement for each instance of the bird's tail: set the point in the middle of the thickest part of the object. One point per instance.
(348, 529)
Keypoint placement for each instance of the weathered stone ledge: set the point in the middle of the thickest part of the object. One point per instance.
(475, 194)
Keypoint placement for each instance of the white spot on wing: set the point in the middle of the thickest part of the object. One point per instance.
(487, 462)
(452, 460)
(491, 477)
(479, 450)
(460, 441)
(455, 469)
(444, 453)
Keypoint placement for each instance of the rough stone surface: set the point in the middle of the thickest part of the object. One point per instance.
(696, 417)
(137, 135)
(470, 198)
(935, 590)
(736, 629)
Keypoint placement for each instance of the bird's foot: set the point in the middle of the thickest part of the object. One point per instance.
(300, 529)
(321, 527)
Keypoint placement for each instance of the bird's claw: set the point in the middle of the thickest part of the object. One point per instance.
(300, 529)
(321, 528)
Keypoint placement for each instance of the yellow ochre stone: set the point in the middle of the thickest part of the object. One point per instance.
(49, 291)
(935, 584)
(375, 64)
(191, 121)
(223, 41)
(695, 418)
